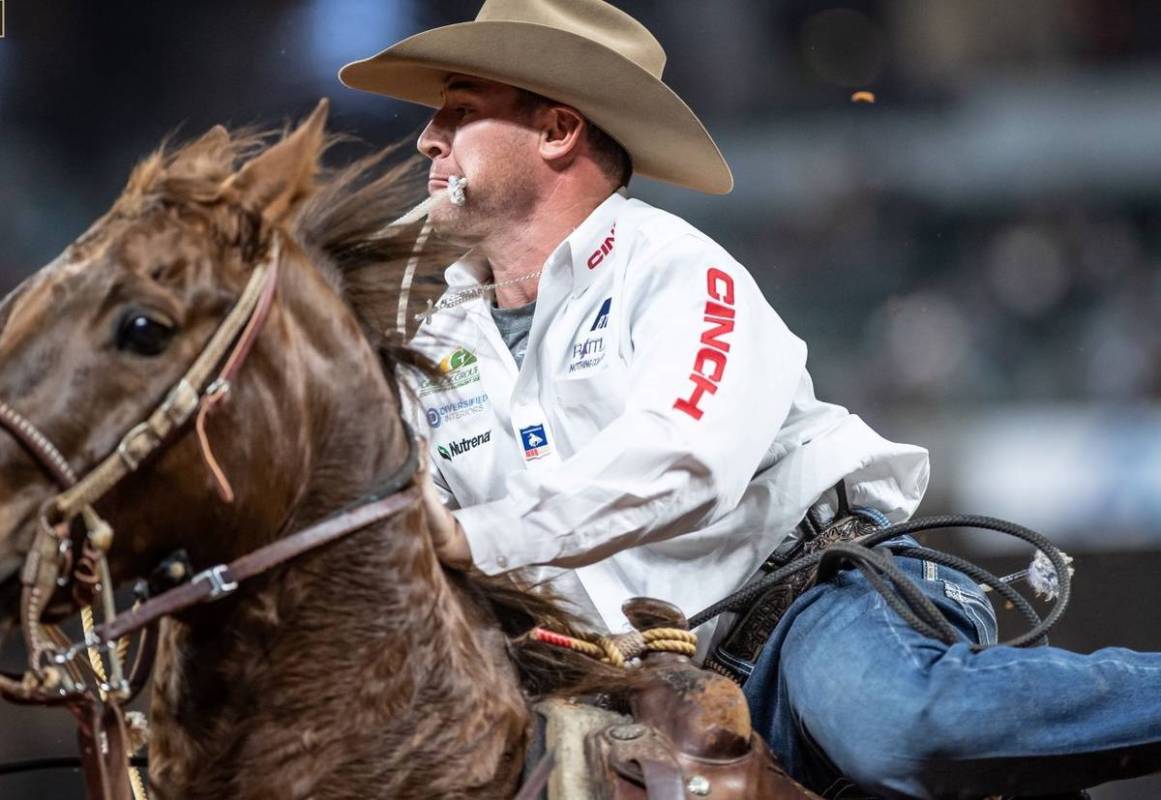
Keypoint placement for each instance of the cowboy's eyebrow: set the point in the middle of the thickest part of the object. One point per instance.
(465, 85)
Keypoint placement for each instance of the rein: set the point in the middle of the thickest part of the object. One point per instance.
(55, 675)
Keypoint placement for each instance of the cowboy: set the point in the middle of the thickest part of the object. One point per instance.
(620, 412)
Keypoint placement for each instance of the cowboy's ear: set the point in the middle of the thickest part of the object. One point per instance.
(275, 182)
(561, 130)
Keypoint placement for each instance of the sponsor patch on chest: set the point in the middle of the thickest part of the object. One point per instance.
(588, 350)
(450, 450)
(456, 410)
(457, 369)
(535, 442)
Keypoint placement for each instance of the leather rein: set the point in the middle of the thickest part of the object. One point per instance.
(72, 541)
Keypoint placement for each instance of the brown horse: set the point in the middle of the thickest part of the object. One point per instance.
(362, 669)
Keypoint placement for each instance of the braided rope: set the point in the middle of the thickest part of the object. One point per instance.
(671, 640)
(619, 649)
(49, 456)
(136, 782)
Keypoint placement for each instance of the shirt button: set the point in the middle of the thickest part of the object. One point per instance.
(501, 562)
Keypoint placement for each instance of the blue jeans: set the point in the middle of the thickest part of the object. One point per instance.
(845, 691)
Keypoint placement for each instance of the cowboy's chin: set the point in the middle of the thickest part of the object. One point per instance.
(452, 224)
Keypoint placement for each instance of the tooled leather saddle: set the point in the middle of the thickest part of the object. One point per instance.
(688, 736)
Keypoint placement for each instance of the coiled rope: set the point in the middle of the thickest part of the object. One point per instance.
(902, 594)
(619, 649)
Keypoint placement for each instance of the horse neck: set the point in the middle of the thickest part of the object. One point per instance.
(358, 669)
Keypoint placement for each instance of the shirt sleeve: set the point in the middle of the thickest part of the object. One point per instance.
(712, 372)
(445, 492)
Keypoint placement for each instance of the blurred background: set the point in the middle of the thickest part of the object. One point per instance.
(974, 258)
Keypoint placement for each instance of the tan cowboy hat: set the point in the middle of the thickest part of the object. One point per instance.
(584, 53)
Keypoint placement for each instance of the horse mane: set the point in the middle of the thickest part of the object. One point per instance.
(342, 228)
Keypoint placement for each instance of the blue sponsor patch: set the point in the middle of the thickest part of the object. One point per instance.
(457, 409)
(535, 442)
(602, 320)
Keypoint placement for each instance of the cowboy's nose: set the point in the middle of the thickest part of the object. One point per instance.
(433, 142)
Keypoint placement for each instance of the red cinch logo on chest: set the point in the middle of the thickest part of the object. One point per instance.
(606, 247)
(709, 365)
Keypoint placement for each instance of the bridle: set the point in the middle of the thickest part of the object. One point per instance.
(72, 542)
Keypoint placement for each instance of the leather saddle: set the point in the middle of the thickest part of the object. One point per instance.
(688, 736)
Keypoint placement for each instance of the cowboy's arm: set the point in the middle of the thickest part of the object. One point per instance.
(713, 371)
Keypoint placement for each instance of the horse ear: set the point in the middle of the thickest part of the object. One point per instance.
(276, 181)
(191, 161)
(215, 137)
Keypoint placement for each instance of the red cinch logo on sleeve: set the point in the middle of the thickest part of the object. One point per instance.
(709, 365)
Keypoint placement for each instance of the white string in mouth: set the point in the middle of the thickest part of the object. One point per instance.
(456, 186)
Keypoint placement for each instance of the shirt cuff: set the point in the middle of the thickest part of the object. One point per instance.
(493, 531)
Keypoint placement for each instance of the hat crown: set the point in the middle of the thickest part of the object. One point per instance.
(595, 20)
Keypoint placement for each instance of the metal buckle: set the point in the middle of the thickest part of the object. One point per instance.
(219, 586)
(219, 387)
(182, 401)
(123, 449)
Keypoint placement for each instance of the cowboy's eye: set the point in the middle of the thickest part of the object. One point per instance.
(142, 334)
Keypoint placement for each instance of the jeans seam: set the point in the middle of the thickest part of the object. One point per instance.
(882, 606)
(1058, 663)
(963, 600)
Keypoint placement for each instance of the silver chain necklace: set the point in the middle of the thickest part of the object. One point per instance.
(467, 295)
(456, 187)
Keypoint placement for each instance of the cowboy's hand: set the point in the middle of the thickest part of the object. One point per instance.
(451, 545)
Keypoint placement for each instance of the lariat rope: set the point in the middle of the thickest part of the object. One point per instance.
(416, 214)
(619, 649)
(901, 594)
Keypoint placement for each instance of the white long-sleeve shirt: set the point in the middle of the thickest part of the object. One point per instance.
(661, 437)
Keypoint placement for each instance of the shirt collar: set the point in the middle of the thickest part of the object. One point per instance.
(592, 242)
(586, 248)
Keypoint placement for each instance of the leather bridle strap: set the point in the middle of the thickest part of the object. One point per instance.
(188, 394)
(223, 579)
(51, 555)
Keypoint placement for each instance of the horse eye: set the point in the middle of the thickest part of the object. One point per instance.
(139, 333)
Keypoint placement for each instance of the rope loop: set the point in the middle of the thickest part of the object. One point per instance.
(618, 650)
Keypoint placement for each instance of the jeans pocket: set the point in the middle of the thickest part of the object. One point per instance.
(976, 608)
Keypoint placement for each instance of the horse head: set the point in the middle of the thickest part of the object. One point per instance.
(94, 342)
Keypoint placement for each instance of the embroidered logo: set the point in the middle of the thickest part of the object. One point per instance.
(587, 354)
(606, 247)
(535, 442)
(589, 351)
(602, 320)
(709, 365)
(458, 409)
(450, 450)
(456, 359)
(457, 369)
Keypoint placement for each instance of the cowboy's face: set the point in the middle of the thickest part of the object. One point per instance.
(482, 134)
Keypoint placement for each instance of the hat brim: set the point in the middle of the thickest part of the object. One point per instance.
(662, 135)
